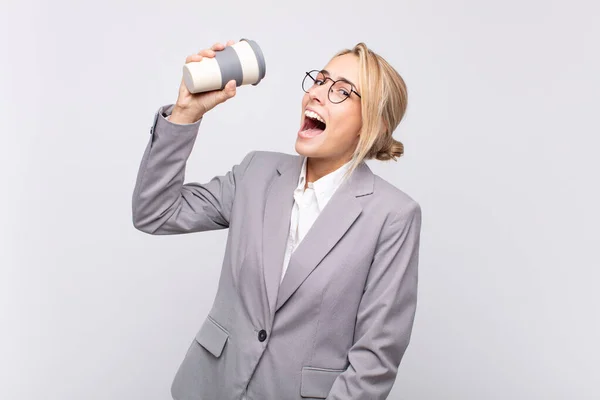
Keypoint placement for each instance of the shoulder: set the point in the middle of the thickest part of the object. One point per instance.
(259, 163)
(270, 157)
(393, 201)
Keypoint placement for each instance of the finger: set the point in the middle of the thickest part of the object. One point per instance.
(218, 46)
(193, 58)
(207, 53)
(230, 42)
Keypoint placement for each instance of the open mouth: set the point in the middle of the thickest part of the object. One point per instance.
(313, 125)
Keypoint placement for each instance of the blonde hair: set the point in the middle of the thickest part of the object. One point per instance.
(384, 99)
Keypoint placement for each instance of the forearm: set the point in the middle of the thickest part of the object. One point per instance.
(161, 174)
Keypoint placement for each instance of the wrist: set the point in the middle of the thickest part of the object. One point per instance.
(183, 115)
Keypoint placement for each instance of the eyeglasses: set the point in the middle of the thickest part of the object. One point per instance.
(339, 91)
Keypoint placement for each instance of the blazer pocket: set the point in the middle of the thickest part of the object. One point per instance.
(212, 336)
(317, 382)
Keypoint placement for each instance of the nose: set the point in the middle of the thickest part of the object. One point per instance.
(318, 93)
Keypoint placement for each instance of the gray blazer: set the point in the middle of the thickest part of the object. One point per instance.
(339, 323)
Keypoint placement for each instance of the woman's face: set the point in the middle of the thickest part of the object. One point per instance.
(342, 122)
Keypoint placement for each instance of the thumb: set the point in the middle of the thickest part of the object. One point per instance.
(229, 90)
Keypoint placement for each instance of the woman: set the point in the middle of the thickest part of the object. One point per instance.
(318, 287)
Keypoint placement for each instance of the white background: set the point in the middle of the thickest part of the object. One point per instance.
(502, 147)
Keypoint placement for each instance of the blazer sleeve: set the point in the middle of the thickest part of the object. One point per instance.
(161, 203)
(386, 312)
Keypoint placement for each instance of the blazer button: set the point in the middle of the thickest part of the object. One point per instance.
(262, 335)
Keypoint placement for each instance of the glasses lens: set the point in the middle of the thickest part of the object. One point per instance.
(309, 80)
(316, 78)
(340, 91)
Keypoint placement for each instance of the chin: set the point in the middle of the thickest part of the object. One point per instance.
(307, 149)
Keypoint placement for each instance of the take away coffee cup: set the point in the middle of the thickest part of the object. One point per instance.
(243, 61)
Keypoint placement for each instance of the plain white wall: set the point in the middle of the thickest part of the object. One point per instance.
(501, 141)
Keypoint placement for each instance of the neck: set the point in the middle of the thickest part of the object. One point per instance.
(316, 168)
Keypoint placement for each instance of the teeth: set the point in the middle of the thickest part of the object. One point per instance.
(313, 115)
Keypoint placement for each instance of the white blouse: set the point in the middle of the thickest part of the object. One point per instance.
(308, 204)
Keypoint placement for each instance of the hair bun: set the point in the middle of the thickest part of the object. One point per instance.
(390, 152)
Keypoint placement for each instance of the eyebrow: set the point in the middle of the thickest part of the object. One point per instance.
(341, 78)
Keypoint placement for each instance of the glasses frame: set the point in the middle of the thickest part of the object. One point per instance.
(333, 83)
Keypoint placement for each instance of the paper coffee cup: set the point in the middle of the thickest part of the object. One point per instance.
(243, 62)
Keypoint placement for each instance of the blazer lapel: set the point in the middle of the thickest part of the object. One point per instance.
(332, 223)
(276, 224)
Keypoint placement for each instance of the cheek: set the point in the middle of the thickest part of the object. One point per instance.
(343, 134)
(356, 123)
(348, 124)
